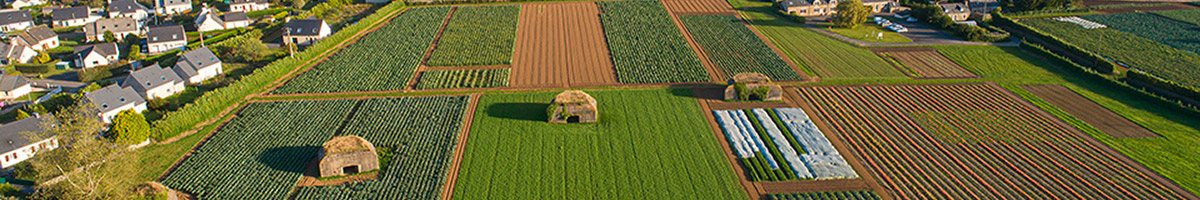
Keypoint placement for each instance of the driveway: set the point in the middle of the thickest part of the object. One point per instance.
(920, 33)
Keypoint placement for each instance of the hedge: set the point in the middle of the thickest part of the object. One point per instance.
(218, 38)
(212, 103)
(1092, 74)
(1094, 61)
(34, 68)
(261, 13)
(1186, 95)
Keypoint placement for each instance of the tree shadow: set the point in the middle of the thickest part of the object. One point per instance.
(519, 111)
(292, 159)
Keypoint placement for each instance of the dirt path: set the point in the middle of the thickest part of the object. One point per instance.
(561, 45)
(1103, 119)
(452, 173)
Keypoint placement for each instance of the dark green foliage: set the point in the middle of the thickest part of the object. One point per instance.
(646, 46)
(933, 15)
(1136, 52)
(474, 78)
(34, 68)
(478, 35)
(734, 48)
(761, 92)
(844, 195)
(792, 17)
(1171, 33)
(1030, 5)
(785, 170)
(1090, 59)
(851, 13)
(129, 127)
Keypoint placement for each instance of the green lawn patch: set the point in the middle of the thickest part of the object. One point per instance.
(868, 31)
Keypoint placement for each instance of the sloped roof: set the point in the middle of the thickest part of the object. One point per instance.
(123, 6)
(235, 16)
(151, 77)
(574, 97)
(165, 34)
(304, 26)
(12, 134)
(104, 49)
(116, 25)
(954, 8)
(110, 98)
(36, 34)
(751, 77)
(12, 82)
(77, 12)
(17, 16)
(233, 2)
(175, 2)
(194, 60)
(347, 143)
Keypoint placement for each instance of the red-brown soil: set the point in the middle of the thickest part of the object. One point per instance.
(716, 7)
(925, 61)
(1103, 119)
(561, 45)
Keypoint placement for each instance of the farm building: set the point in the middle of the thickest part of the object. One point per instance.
(751, 86)
(304, 32)
(809, 8)
(346, 155)
(573, 106)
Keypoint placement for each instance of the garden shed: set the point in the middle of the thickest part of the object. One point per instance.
(347, 155)
(753, 86)
(573, 106)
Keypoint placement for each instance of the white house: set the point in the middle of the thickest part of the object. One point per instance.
(23, 3)
(208, 20)
(15, 53)
(154, 82)
(248, 5)
(113, 99)
(303, 32)
(73, 16)
(12, 87)
(15, 20)
(128, 8)
(88, 56)
(198, 65)
(170, 7)
(236, 20)
(120, 27)
(165, 38)
(39, 38)
(16, 147)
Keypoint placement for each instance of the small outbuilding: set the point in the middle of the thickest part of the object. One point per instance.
(347, 155)
(573, 106)
(753, 86)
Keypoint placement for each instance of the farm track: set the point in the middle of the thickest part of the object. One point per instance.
(1095, 115)
(950, 157)
(561, 45)
(452, 171)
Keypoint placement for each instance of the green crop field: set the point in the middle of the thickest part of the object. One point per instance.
(646, 46)
(651, 144)
(735, 48)
(382, 60)
(262, 153)
(1186, 15)
(845, 195)
(1136, 52)
(478, 35)
(826, 57)
(1172, 33)
(472, 78)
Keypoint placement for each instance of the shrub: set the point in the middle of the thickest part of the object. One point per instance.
(742, 92)
(34, 68)
(761, 92)
(129, 127)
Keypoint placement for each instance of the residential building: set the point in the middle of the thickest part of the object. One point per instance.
(956, 11)
(154, 82)
(198, 65)
(983, 6)
(114, 99)
(15, 20)
(809, 8)
(236, 20)
(15, 53)
(303, 32)
(18, 4)
(14, 144)
(73, 16)
(208, 20)
(165, 38)
(12, 86)
(128, 8)
(248, 5)
(120, 27)
(170, 7)
(88, 56)
(39, 38)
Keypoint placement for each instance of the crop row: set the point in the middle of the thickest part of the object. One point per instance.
(382, 60)
(478, 35)
(1135, 52)
(843, 195)
(1172, 33)
(734, 48)
(781, 144)
(472, 78)
(1186, 15)
(1025, 157)
(646, 46)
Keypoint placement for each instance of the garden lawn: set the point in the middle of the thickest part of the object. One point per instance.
(651, 144)
(819, 55)
(867, 32)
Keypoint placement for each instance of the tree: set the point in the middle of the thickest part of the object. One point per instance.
(109, 37)
(135, 52)
(21, 114)
(245, 47)
(92, 168)
(43, 57)
(851, 13)
(129, 127)
(299, 4)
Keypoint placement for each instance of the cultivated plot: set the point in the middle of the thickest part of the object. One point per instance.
(1095, 115)
(827, 57)
(646, 45)
(1139, 53)
(1172, 33)
(477, 35)
(925, 62)
(976, 141)
(561, 45)
(699, 7)
(734, 48)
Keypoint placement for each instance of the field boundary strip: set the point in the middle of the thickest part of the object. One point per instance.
(452, 173)
(1093, 114)
(412, 82)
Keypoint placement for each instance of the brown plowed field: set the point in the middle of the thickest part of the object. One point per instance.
(561, 45)
(925, 61)
(699, 7)
(1103, 119)
(976, 141)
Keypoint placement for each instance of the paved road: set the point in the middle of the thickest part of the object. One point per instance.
(68, 86)
(920, 33)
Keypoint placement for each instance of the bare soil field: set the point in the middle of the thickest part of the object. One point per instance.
(716, 7)
(1103, 119)
(561, 45)
(976, 141)
(925, 62)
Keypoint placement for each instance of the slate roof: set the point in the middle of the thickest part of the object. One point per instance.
(151, 77)
(125, 6)
(9, 83)
(175, 2)
(233, 2)
(823, 2)
(104, 49)
(194, 60)
(37, 34)
(12, 135)
(954, 8)
(116, 25)
(7, 50)
(304, 26)
(77, 12)
(110, 98)
(165, 34)
(234, 16)
(12, 17)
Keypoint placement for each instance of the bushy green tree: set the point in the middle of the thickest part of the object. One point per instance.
(129, 127)
(851, 13)
(109, 36)
(42, 57)
(135, 52)
(245, 47)
(91, 168)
